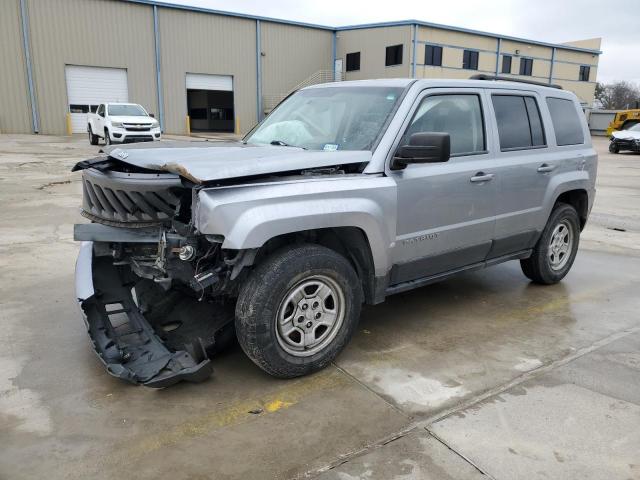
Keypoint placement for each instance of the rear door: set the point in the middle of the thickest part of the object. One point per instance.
(524, 167)
(446, 211)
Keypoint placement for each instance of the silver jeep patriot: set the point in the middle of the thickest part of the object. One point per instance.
(346, 193)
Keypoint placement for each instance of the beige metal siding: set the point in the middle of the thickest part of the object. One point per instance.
(101, 33)
(15, 109)
(292, 54)
(194, 42)
(372, 43)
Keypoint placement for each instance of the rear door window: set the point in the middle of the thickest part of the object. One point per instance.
(566, 122)
(519, 123)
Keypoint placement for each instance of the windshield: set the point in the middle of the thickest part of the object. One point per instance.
(127, 110)
(334, 118)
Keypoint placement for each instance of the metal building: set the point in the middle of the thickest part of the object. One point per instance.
(206, 70)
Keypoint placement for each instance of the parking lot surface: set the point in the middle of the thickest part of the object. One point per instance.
(484, 375)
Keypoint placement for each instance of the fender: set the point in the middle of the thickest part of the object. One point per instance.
(561, 183)
(249, 215)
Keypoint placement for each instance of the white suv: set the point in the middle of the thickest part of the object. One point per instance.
(122, 123)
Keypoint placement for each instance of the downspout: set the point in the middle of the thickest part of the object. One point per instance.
(334, 48)
(414, 50)
(498, 55)
(553, 59)
(156, 36)
(258, 71)
(35, 123)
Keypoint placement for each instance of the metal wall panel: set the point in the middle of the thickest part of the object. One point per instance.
(372, 43)
(15, 112)
(194, 42)
(100, 33)
(292, 54)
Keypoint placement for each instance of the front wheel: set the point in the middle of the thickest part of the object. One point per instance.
(297, 310)
(93, 139)
(107, 138)
(613, 148)
(556, 249)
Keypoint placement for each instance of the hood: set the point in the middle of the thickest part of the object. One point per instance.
(209, 161)
(132, 119)
(626, 135)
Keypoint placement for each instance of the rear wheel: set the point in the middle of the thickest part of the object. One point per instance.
(93, 139)
(556, 249)
(297, 310)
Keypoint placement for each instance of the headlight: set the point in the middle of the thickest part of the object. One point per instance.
(154, 124)
(116, 124)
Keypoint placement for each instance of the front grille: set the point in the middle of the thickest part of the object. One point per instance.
(138, 138)
(137, 127)
(135, 198)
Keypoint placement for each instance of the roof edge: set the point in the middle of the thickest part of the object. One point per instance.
(397, 23)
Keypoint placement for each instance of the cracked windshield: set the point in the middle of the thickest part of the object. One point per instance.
(333, 118)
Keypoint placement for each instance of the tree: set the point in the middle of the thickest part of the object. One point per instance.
(618, 95)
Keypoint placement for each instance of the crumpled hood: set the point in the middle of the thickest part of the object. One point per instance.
(626, 135)
(209, 161)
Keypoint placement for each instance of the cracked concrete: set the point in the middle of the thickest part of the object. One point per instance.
(480, 376)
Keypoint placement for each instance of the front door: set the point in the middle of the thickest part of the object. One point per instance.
(446, 211)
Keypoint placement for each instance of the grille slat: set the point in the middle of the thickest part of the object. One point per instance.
(132, 198)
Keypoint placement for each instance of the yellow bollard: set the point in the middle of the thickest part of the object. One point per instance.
(237, 125)
(188, 126)
(69, 126)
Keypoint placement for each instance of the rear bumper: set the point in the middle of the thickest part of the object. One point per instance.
(122, 338)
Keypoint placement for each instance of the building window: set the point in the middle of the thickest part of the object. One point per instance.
(353, 61)
(433, 55)
(506, 63)
(526, 66)
(470, 60)
(393, 56)
(584, 73)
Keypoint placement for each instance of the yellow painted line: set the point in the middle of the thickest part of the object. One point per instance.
(289, 395)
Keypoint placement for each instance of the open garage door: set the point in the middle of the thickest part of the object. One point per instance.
(87, 87)
(210, 102)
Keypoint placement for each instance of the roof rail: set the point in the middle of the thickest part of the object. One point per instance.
(484, 76)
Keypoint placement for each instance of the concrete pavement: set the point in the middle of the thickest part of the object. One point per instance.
(442, 382)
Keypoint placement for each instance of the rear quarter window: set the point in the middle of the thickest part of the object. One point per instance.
(566, 123)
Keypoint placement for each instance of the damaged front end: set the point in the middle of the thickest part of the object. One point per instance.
(157, 297)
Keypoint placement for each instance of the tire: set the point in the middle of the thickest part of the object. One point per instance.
(556, 249)
(280, 287)
(93, 139)
(107, 138)
(613, 148)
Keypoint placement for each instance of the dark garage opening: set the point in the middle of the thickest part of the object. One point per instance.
(210, 110)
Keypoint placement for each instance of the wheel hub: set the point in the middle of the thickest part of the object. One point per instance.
(560, 245)
(310, 315)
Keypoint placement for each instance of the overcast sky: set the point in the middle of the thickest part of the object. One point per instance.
(617, 23)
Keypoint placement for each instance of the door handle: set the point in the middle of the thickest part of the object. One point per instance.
(481, 177)
(546, 168)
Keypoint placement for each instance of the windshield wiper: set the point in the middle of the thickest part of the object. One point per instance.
(280, 143)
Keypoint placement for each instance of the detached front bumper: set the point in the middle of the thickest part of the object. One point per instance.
(122, 338)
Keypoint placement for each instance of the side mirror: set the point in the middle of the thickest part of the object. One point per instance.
(152, 115)
(424, 147)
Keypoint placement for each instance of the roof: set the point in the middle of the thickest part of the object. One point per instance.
(446, 83)
(362, 26)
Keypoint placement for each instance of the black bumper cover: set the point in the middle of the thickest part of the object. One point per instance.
(122, 338)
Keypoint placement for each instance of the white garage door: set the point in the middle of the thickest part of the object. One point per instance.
(87, 87)
(201, 81)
